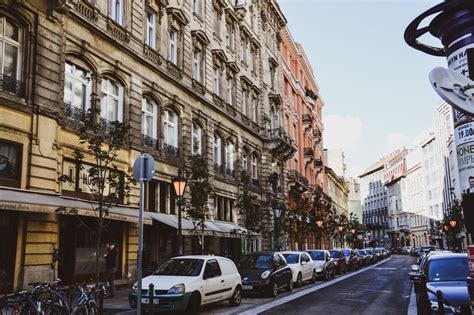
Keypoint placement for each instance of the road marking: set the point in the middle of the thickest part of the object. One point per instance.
(304, 292)
(386, 268)
(355, 300)
(373, 290)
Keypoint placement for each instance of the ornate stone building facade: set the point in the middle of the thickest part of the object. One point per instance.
(196, 75)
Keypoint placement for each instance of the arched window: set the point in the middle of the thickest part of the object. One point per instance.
(229, 158)
(217, 150)
(111, 106)
(77, 91)
(170, 128)
(149, 118)
(10, 55)
(196, 140)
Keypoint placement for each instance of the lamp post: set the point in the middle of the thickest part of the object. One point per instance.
(353, 231)
(340, 228)
(179, 183)
(319, 224)
(277, 213)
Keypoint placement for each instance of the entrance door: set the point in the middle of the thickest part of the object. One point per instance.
(8, 235)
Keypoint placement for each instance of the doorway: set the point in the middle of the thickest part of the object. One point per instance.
(8, 238)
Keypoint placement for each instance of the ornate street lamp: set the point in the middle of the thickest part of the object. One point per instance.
(277, 213)
(319, 223)
(179, 183)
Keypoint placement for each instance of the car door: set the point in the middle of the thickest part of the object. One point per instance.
(329, 262)
(286, 274)
(213, 282)
(307, 266)
(279, 264)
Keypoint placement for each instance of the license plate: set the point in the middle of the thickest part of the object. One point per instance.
(147, 301)
(247, 287)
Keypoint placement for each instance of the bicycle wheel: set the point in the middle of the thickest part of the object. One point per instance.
(10, 309)
(53, 309)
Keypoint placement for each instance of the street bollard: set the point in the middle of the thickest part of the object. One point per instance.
(439, 295)
(425, 305)
(101, 301)
(151, 297)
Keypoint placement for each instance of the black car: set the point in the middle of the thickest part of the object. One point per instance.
(364, 257)
(370, 254)
(339, 261)
(352, 259)
(265, 272)
(446, 273)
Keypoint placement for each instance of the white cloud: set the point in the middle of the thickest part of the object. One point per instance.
(342, 132)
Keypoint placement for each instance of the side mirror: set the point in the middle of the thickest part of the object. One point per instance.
(415, 268)
(303, 263)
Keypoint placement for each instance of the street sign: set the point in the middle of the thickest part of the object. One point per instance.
(143, 171)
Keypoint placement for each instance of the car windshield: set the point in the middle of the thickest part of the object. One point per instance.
(361, 252)
(292, 258)
(369, 251)
(346, 252)
(181, 267)
(452, 269)
(256, 262)
(334, 254)
(317, 255)
(377, 251)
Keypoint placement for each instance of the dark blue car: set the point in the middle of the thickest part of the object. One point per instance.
(447, 273)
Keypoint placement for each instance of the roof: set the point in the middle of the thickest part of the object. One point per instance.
(198, 257)
(262, 253)
(447, 256)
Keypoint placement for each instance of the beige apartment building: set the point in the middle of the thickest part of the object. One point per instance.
(195, 76)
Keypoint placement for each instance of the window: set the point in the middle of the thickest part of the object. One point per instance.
(149, 118)
(170, 130)
(151, 30)
(77, 89)
(10, 53)
(173, 53)
(230, 90)
(111, 106)
(217, 81)
(245, 162)
(244, 102)
(254, 167)
(217, 150)
(117, 11)
(212, 269)
(229, 157)
(217, 22)
(229, 36)
(10, 164)
(254, 109)
(196, 139)
(197, 7)
(197, 65)
(251, 59)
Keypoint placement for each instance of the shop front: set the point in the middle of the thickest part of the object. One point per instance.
(8, 244)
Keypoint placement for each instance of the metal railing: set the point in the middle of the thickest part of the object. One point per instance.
(149, 141)
(74, 113)
(12, 85)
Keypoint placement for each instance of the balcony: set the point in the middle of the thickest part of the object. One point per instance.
(170, 150)
(318, 164)
(149, 142)
(311, 94)
(282, 144)
(106, 125)
(317, 134)
(74, 113)
(296, 177)
(11, 85)
(307, 120)
(219, 168)
(308, 154)
(230, 172)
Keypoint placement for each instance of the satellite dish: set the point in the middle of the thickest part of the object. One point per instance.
(454, 88)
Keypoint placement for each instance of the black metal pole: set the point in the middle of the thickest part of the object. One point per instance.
(180, 232)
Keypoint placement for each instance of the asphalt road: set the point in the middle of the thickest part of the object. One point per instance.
(384, 289)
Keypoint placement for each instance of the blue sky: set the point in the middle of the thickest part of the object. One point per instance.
(375, 87)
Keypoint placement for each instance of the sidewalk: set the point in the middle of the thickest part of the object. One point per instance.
(119, 303)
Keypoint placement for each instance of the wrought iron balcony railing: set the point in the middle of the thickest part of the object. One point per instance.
(149, 141)
(74, 113)
(170, 150)
(12, 85)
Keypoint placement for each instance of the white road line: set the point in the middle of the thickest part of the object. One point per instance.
(412, 304)
(288, 298)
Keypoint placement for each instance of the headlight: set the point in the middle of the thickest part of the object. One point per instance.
(177, 289)
(135, 287)
(265, 274)
(319, 269)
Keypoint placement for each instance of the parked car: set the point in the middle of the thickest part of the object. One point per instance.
(265, 272)
(337, 257)
(378, 254)
(187, 282)
(325, 267)
(370, 254)
(415, 251)
(302, 267)
(364, 257)
(352, 259)
(445, 272)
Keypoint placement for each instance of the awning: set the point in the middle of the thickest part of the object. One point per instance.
(31, 201)
(211, 227)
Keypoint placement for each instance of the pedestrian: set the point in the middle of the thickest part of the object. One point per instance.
(111, 267)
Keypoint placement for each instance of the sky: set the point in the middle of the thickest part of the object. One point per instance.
(374, 86)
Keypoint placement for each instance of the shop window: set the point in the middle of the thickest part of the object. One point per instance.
(10, 164)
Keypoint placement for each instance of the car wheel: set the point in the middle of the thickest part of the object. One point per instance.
(194, 304)
(326, 275)
(273, 289)
(313, 278)
(299, 281)
(236, 298)
(289, 287)
(333, 273)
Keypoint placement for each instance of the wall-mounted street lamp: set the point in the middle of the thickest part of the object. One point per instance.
(179, 183)
(453, 223)
(319, 223)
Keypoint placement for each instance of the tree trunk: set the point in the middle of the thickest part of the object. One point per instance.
(97, 246)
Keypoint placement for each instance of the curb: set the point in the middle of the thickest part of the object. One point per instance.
(288, 298)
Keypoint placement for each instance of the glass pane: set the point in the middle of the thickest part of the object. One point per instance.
(115, 88)
(11, 31)
(149, 126)
(9, 158)
(2, 22)
(68, 91)
(112, 110)
(11, 61)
